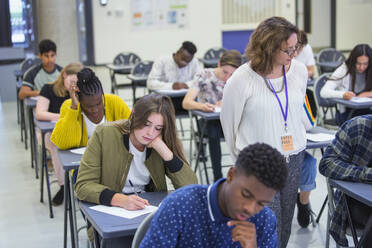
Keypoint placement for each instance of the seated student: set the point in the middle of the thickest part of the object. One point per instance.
(87, 108)
(349, 158)
(38, 75)
(308, 170)
(52, 95)
(207, 87)
(175, 72)
(352, 78)
(134, 155)
(305, 54)
(230, 213)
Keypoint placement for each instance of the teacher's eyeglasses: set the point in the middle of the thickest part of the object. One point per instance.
(292, 51)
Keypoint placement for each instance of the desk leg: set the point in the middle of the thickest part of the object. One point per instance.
(321, 209)
(199, 152)
(42, 174)
(65, 212)
(26, 130)
(75, 240)
(353, 232)
(31, 126)
(45, 166)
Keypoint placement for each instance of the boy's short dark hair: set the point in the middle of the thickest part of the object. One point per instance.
(47, 46)
(189, 46)
(267, 164)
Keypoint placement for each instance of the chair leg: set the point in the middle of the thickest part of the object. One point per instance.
(322, 209)
(182, 132)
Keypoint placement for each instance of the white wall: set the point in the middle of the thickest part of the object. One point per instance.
(353, 25)
(113, 32)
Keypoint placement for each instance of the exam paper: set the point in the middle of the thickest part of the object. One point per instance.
(121, 212)
(80, 150)
(361, 99)
(169, 92)
(319, 137)
(217, 109)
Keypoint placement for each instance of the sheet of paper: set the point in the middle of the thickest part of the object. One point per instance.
(361, 99)
(121, 212)
(166, 92)
(319, 137)
(217, 109)
(80, 150)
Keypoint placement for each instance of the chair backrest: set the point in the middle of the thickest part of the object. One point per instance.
(330, 55)
(142, 68)
(28, 63)
(319, 83)
(142, 229)
(214, 53)
(126, 59)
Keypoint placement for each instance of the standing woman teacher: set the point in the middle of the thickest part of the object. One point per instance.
(263, 102)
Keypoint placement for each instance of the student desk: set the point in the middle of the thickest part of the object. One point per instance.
(109, 226)
(45, 127)
(70, 161)
(352, 105)
(118, 69)
(30, 104)
(361, 192)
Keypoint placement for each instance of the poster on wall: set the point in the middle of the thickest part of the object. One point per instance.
(159, 14)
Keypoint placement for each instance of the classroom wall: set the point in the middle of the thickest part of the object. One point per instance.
(57, 21)
(113, 32)
(353, 23)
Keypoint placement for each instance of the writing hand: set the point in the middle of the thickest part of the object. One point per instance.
(348, 95)
(243, 232)
(207, 107)
(129, 202)
(178, 86)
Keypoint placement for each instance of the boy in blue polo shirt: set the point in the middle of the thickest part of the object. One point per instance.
(229, 213)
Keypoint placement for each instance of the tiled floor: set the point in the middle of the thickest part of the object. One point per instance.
(25, 222)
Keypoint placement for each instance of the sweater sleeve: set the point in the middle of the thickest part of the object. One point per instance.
(67, 132)
(233, 103)
(180, 173)
(333, 87)
(156, 77)
(88, 187)
(121, 109)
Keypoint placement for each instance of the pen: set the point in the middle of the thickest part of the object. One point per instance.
(131, 184)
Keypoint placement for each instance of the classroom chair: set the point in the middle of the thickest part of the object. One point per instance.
(328, 60)
(123, 64)
(212, 56)
(142, 229)
(324, 105)
(139, 75)
(331, 209)
(25, 65)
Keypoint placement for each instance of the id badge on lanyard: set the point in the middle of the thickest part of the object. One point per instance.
(286, 139)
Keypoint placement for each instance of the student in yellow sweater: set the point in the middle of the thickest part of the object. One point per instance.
(87, 108)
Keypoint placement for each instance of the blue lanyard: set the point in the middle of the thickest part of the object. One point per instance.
(285, 115)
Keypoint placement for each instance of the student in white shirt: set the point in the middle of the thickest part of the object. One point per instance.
(175, 72)
(263, 102)
(352, 78)
(305, 54)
